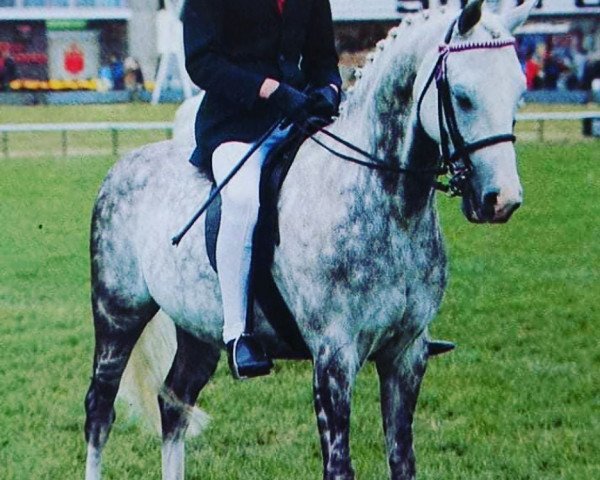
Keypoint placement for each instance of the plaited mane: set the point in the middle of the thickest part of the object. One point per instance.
(382, 97)
(388, 77)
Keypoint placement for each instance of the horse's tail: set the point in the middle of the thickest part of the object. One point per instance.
(146, 371)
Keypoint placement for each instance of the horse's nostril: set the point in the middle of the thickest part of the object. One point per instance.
(490, 198)
(489, 203)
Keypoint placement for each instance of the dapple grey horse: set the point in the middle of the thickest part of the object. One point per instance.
(361, 262)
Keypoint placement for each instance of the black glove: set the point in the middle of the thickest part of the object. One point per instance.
(291, 102)
(325, 102)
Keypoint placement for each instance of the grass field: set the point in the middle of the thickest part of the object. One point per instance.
(518, 399)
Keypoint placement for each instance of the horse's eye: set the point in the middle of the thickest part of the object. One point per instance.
(464, 102)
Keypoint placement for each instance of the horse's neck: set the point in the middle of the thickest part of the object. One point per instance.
(420, 153)
(377, 117)
(382, 99)
(383, 105)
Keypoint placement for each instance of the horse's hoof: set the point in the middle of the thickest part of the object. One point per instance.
(437, 347)
(247, 358)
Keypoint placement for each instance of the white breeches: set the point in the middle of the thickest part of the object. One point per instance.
(239, 213)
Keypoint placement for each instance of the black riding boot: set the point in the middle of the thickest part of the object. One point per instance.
(247, 357)
(439, 347)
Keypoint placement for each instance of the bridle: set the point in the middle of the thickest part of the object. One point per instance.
(458, 164)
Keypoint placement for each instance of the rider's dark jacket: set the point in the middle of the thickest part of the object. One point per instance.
(232, 46)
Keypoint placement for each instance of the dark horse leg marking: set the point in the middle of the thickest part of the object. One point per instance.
(400, 378)
(334, 374)
(193, 365)
(117, 330)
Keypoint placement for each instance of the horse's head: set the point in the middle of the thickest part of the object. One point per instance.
(469, 89)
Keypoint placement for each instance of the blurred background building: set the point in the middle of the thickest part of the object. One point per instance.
(91, 39)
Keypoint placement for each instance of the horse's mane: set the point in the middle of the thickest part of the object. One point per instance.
(382, 94)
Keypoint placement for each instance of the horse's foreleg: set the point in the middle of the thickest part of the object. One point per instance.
(400, 376)
(194, 364)
(335, 370)
(117, 331)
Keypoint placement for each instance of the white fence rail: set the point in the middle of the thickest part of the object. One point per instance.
(542, 117)
(116, 127)
(113, 127)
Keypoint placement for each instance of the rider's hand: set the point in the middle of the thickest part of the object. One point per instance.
(325, 102)
(292, 103)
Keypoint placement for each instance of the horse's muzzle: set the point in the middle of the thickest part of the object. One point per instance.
(490, 208)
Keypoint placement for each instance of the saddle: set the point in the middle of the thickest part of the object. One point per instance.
(263, 289)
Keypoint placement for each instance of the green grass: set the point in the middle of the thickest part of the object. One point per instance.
(518, 399)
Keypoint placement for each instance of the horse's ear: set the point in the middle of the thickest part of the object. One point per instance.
(517, 16)
(469, 17)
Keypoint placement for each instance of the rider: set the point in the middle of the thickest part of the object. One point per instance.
(258, 62)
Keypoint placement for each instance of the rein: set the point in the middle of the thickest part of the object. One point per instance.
(457, 164)
(376, 163)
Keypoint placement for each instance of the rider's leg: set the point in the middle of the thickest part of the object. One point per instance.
(240, 205)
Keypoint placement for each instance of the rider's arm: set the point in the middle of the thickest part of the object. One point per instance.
(205, 61)
(320, 59)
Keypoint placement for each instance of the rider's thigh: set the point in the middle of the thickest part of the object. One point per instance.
(243, 188)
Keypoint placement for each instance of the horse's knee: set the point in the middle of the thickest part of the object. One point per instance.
(345, 475)
(193, 365)
(403, 468)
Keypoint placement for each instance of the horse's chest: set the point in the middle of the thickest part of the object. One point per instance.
(368, 294)
(358, 273)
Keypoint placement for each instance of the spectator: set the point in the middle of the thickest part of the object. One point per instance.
(579, 61)
(117, 72)
(551, 68)
(104, 79)
(8, 70)
(134, 78)
(532, 72)
(592, 74)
